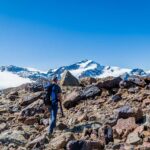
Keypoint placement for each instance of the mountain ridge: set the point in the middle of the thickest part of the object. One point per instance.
(85, 68)
(11, 74)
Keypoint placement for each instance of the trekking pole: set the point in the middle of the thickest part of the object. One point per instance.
(61, 109)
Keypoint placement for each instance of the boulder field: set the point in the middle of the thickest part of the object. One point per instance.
(107, 113)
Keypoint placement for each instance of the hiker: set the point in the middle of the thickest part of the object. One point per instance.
(55, 98)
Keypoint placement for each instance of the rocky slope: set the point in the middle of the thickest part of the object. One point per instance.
(94, 109)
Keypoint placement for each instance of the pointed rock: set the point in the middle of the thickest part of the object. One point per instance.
(69, 80)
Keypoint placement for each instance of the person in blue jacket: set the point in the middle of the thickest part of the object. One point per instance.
(55, 98)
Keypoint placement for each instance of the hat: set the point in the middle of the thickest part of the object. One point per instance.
(55, 78)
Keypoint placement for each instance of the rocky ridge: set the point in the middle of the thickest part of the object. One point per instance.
(108, 113)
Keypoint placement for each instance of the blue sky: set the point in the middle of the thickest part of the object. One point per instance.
(51, 33)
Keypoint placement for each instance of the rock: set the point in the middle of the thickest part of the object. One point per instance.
(13, 96)
(146, 102)
(3, 126)
(40, 139)
(69, 80)
(3, 110)
(72, 121)
(82, 118)
(85, 145)
(116, 98)
(133, 138)
(21, 119)
(61, 126)
(31, 98)
(61, 141)
(92, 118)
(125, 84)
(90, 92)
(124, 126)
(110, 84)
(30, 121)
(13, 136)
(45, 122)
(148, 86)
(133, 90)
(147, 120)
(137, 80)
(108, 134)
(146, 145)
(139, 129)
(32, 109)
(72, 100)
(14, 108)
(96, 126)
(33, 87)
(127, 111)
(88, 81)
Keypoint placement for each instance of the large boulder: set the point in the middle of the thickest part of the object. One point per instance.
(109, 84)
(33, 87)
(137, 80)
(127, 111)
(28, 99)
(126, 84)
(32, 109)
(69, 80)
(72, 99)
(90, 92)
(124, 126)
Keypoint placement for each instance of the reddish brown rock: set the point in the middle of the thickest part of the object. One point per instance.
(21, 119)
(72, 99)
(146, 102)
(124, 127)
(82, 118)
(30, 121)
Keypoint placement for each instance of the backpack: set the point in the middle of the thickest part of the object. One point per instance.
(47, 95)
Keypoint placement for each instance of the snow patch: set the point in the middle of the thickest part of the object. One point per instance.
(84, 64)
(83, 68)
(113, 71)
(35, 70)
(8, 80)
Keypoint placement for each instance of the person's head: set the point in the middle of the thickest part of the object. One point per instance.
(55, 79)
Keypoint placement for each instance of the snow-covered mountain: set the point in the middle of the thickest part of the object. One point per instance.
(30, 73)
(85, 68)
